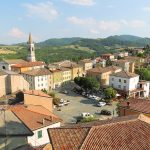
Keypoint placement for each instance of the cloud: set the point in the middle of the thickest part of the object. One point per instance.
(16, 33)
(93, 23)
(134, 23)
(81, 2)
(43, 10)
(105, 26)
(80, 21)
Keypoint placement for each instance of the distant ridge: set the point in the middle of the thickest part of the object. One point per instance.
(121, 40)
(59, 41)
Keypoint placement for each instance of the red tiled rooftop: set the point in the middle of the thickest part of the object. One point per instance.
(67, 139)
(104, 70)
(131, 135)
(37, 93)
(140, 105)
(33, 118)
(125, 135)
(38, 72)
(28, 64)
(124, 74)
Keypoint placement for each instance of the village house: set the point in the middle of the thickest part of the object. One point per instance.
(136, 51)
(38, 119)
(38, 79)
(57, 78)
(66, 74)
(8, 63)
(87, 64)
(76, 69)
(134, 107)
(19, 68)
(13, 132)
(99, 62)
(139, 61)
(37, 97)
(11, 82)
(125, 65)
(128, 84)
(108, 56)
(120, 54)
(110, 134)
(102, 74)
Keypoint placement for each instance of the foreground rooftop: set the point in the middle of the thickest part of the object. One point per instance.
(122, 135)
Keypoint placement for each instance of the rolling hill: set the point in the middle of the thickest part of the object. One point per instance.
(75, 49)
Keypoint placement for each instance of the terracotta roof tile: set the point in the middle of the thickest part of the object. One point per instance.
(124, 74)
(37, 93)
(131, 135)
(103, 70)
(125, 135)
(140, 105)
(28, 64)
(33, 118)
(37, 72)
(67, 139)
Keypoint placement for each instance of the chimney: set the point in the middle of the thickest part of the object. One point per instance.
(51, 118)
(128, 104)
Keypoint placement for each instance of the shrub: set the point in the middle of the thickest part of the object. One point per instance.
(88, 119)
(56, 101)
(52, 94)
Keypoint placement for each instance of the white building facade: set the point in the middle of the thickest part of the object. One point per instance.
(129, 84)
(38, 79)
(40, 136)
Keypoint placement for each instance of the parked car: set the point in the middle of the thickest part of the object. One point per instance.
(86, 114)
(61, 104)
(64, 92)
(83, 93)
(61, 100)
(105, 112)
(66, 102)
(100, 104)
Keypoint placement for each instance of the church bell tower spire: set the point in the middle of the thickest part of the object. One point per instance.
(31, 49)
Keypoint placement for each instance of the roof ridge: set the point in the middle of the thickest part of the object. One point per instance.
(100, 126)
(33, 111)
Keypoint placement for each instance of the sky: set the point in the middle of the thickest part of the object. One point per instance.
(72, 18)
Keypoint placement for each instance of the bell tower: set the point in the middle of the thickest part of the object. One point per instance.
(31, 49)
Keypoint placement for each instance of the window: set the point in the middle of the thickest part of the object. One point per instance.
(125, 81)
(124, 87)
(39, 134)
(112, 85)
(119, 86)
(119, 80)
(112, 79)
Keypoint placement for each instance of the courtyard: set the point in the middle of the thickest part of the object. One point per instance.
(79, 104)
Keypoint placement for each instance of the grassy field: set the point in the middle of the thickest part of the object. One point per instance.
(48, 54)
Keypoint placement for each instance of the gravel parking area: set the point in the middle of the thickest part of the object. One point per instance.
(79, 104)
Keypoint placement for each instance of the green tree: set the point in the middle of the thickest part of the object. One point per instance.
(87, 83)
(144, 73)
(140, 55)
(110, 93)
